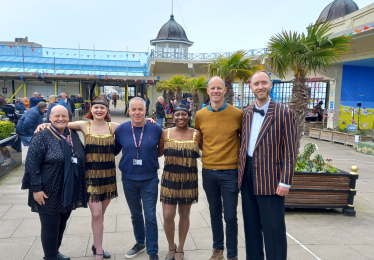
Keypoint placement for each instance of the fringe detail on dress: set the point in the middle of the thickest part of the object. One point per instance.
(178, 146)
(181, 153)
(180, 161)
(100, 157)
(179, 177)
(179, 185)
(101, 197)
(167, 195)
(180, 169)
(102, 189)
(100, 181)
(104, 141)
(176, 201)
(100, 165)
(93, 148)
(100, 173)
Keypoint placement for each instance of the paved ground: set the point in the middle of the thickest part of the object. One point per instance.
(326, 234)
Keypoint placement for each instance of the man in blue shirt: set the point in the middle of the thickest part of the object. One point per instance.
(35, 99)
(138, 140)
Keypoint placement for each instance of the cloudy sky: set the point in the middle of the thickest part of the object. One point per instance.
(213, 25)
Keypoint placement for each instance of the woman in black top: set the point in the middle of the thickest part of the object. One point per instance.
(160, 110)
(55, 178)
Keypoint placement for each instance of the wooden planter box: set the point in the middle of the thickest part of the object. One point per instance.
(169, 120)
(315, 133)
(323, 190)
(169, 125)
(351, 139)
(326, 135)
(338, 137)
(310, 125)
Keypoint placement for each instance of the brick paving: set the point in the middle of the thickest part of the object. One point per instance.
(328, 234)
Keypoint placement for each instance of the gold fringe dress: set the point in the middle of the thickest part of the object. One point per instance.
(100, 165)
(179, 183)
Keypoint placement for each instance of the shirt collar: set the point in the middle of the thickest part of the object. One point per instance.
(265, 107)
(223, 107)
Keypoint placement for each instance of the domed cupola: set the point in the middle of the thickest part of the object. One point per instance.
(337, 9)
(171, 40)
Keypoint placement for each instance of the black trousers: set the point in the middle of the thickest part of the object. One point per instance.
(263, 217)
(53, 227)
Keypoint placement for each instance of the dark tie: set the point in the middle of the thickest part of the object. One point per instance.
(260, 111)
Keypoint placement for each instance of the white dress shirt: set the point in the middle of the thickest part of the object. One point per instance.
(256, 125)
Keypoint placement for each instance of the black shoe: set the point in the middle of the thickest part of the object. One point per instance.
(106, 254)
(153, 257)
(62, 257)
(136, 250)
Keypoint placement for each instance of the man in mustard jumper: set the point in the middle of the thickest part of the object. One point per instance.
(221, 125)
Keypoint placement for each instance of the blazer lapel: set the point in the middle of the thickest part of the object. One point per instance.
(268, 121)
(246, 131)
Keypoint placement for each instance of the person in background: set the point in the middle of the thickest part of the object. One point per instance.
(6, 159)
(55, 178)
(27, 125)
(20, 106)
(26, 102)
(189, 102)
(53, 101)
(184, 101)
(115, 99)
(169, 108)
(147, 103)
(319, 110)
(81, 101)
(175, 102)
(179, 183)
(140, 95)
(160, 110)
(35, 99)
(68, 104)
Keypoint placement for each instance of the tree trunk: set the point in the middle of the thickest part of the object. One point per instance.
(229, 96)
(195, 105)
(299, 104)
(179, 96)
(170, 96)
(165, 95)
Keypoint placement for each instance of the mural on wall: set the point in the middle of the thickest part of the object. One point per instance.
(363, 118)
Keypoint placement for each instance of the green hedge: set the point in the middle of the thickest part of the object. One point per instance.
(6, 128)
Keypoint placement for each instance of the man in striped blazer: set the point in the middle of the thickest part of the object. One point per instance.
(267, 161)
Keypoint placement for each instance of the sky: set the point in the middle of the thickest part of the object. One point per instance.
(213, 25)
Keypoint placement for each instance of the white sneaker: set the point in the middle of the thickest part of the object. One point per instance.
(9, 162)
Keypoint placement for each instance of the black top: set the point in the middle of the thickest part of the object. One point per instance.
(45, 172)
(160, 110)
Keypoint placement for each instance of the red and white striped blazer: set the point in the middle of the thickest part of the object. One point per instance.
(274, 156)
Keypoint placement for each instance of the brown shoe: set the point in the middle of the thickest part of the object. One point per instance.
(217, 255)
(235, 258)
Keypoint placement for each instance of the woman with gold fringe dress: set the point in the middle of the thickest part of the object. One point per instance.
(179, 183)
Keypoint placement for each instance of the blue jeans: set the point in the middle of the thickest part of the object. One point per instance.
(221, 188)
(160, 121)
(146, 192)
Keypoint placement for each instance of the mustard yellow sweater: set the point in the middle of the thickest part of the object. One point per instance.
(221, 135)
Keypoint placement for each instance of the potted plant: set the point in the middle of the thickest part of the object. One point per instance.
(6, 130)
(318, 184)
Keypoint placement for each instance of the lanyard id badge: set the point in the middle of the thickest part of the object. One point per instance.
(137, 161)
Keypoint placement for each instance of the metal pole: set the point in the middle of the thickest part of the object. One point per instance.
(23, 59)
(13, 91)
(56, 88)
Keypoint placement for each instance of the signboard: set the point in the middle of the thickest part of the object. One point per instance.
(331, 104)
(357, 138)
(351, 127)
(5, 90)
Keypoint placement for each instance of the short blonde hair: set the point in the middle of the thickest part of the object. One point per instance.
(52, 99)
(160, 97)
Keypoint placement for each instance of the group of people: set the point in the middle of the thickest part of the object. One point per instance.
(162, 110)
(253, 151)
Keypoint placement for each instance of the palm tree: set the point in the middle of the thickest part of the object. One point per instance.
(304, 54)
(196, 86)
(234, 68)
(177, 83)
(162, 87)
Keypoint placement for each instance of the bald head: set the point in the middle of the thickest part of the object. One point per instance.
(59, 117)
(216, 80)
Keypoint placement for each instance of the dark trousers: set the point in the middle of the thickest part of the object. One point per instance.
(115, 103)
(53, 227)
(221, 188)
(143, 195)
(263, 217)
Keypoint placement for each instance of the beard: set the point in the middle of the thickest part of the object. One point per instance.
(262, 98)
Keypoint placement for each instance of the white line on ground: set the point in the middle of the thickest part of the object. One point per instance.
(304, 247)
(294, 239)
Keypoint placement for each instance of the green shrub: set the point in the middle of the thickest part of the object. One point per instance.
(3, 114)
(77, 105)
(6, 128)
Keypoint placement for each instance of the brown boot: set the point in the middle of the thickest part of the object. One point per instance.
(217, 255)
(235, 258)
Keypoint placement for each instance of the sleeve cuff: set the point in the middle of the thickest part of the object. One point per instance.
(36, 188)
(285, 185)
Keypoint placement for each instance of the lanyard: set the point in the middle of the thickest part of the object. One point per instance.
(70, 142)
(140, 139)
